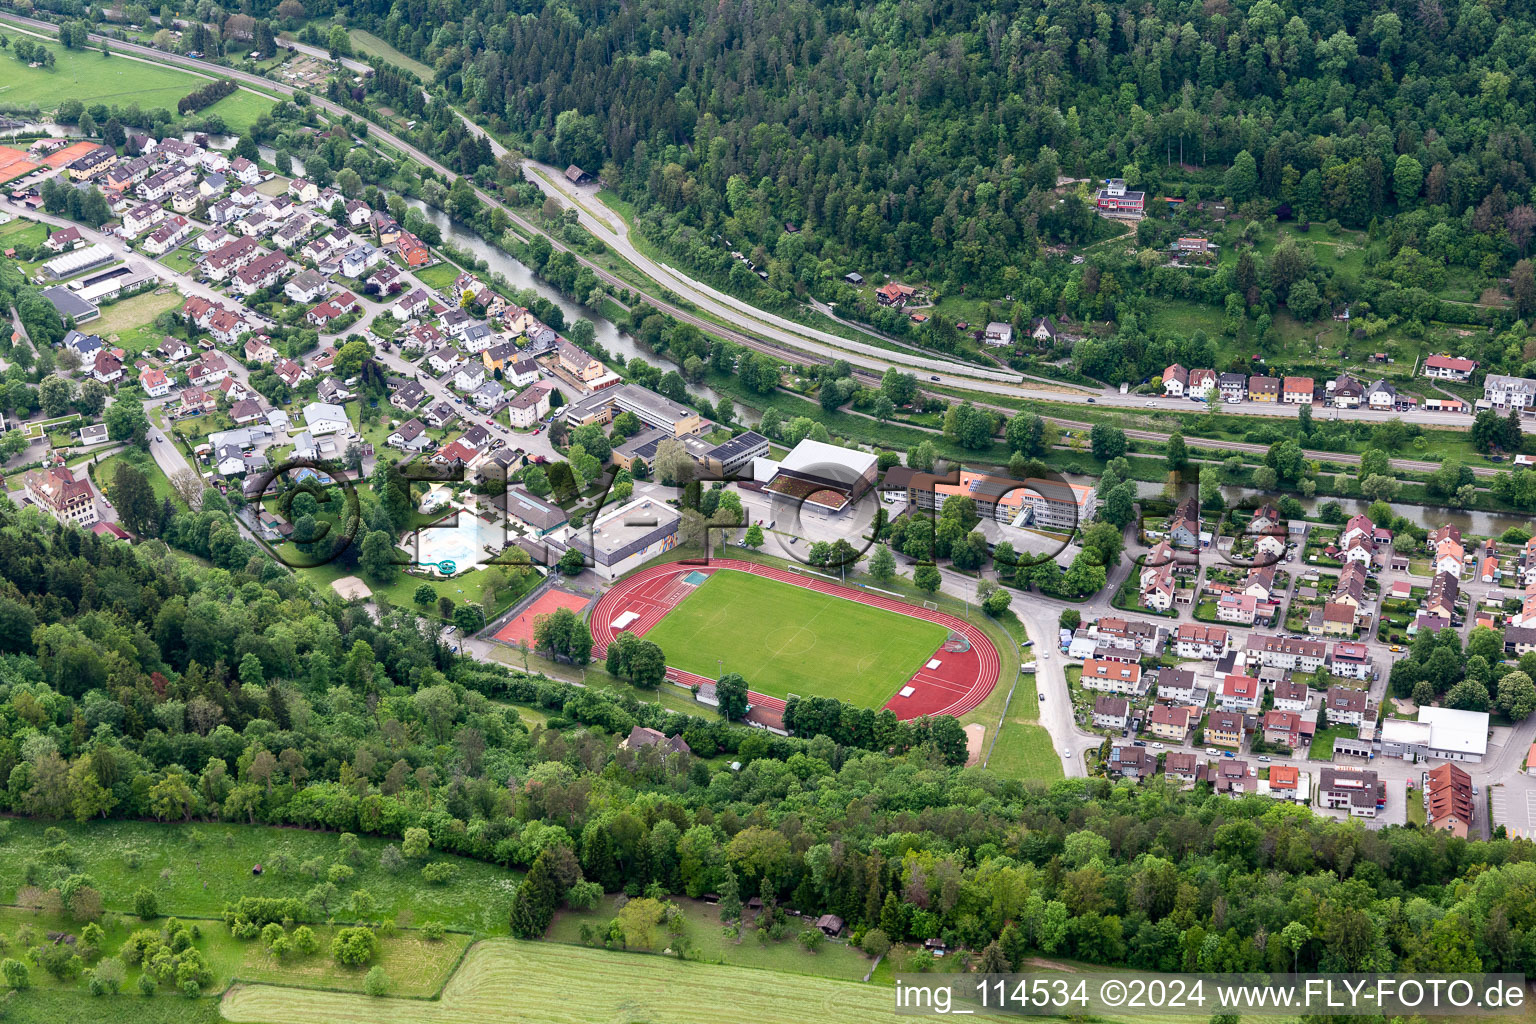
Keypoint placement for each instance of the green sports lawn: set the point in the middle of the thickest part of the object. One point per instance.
(785, 639)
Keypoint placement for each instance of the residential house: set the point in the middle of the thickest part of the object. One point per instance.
(1285, 783)
(998, 334)
(445, 359)
(1111, 676)
(1185, 767)
(1381, 394)
(323, 418)
(208, 370)
(408, 395)
(1127, 634)
(1350, 660)
(1184, 525)
(1175, 381)
(141, 218)
(1263, 389)
(1509, 392)
(894, 295)
(412, 250)
(1344, 392)
(1201, 383)
(581, 365)
(1286, 652)
(247, 410)
(259, 350)
(306, 286)
(487, 396)
(1353, 789)
(245, 172)
(439, 415)
(108, 366)
(262, 272)
(1297, 391)
(1172, 722)
(83, 345)
(194, 401)
(360, 259)
(1131, 762)
(1178, 684)
(1238, 608)
(1197, 640)
(1044, 329)
(1448, 799)
(1450, 557)
(409, 436)
(1114, 199)
(154, 382)
(63, 240)
(1233, 387)
(1239, 693)
(1111, 712)
(477, 338)
(1282, 727)
(1234, 778)
(168, 235)
(1224, 729)
(1443, 592)
(412, 303)
(304, 191)
(1443, 367)
(521, 372)
(1290, 695)
(57, 491)
(1345, 706)
(528, 407)
(174, 350)
(423, 338)
(292, 374)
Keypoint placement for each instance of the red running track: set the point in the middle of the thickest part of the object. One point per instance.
(960, 682)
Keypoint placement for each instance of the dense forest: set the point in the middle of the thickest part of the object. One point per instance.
(934, 134)
(135, 682)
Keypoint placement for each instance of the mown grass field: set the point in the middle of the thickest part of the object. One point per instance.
(542, 983)
(1024, 750)
(87, 76)
(368, 44)
(239, 109)
(785, 639)
(136, 311)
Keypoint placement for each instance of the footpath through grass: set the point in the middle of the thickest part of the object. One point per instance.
(785, 639)
(514, 982)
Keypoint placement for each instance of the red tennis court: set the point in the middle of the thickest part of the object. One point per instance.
(519, 631)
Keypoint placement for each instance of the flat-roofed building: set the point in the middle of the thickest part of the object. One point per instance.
(629, 535)
(1053, 504)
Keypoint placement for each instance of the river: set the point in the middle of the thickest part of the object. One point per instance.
(608, 335)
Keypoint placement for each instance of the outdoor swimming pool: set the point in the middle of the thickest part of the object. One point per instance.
(453, 548)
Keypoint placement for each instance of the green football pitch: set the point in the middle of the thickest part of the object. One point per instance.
(785, 639)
